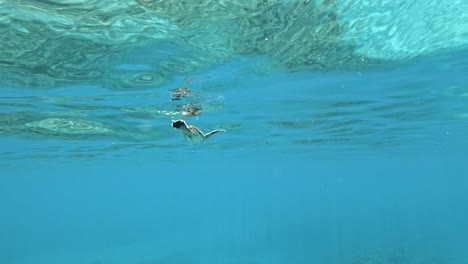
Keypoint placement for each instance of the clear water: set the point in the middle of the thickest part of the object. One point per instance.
(346, 132)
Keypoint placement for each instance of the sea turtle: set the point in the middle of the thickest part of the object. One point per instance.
(192, 133)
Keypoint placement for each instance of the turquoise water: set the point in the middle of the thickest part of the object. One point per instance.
(346, 132)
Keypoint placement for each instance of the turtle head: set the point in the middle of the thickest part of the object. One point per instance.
(178, 124)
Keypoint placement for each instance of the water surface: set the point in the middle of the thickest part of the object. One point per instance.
(346, 132)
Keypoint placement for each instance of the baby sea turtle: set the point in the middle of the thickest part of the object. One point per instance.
(192, 133)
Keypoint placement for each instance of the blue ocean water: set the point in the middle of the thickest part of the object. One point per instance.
(345, 138)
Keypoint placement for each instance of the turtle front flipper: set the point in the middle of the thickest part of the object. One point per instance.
(214, 132)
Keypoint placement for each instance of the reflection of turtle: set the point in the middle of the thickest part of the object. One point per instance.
(191, 133)
(181, 92)
(191, 109)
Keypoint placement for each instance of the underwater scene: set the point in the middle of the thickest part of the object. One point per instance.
(233, 132)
